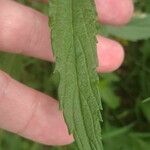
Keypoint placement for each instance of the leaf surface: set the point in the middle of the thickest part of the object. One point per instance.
(137, 29)
(74, 28)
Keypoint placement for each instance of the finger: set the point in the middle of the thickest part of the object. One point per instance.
(31, 114)
(114, 12)
(110, 55)
(25, 31)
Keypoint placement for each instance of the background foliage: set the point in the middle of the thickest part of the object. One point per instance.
(125, 93)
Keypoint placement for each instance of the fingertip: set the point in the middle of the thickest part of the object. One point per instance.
(31, 113)
(110, 55)
(63, 141)
(47, 125)
(115, 12)
(24, 30)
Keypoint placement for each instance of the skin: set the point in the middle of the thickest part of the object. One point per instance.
(28, 112)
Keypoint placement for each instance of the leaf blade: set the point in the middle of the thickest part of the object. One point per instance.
(74, 44)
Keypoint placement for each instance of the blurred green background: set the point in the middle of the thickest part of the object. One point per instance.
(125, 93)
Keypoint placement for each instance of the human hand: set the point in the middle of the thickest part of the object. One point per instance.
(28, 112)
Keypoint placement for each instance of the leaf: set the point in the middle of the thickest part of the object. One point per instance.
(146, 100)
(126, 142)
(117, 132)
(108, 91)
(137, 29)
(145, 106)
(74, 29)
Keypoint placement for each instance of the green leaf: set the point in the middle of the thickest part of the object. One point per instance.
(145, 106)
(107, 90)
(125, 138)
(74, 29)
(117, 132)
(137, 29)
(146, 100)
